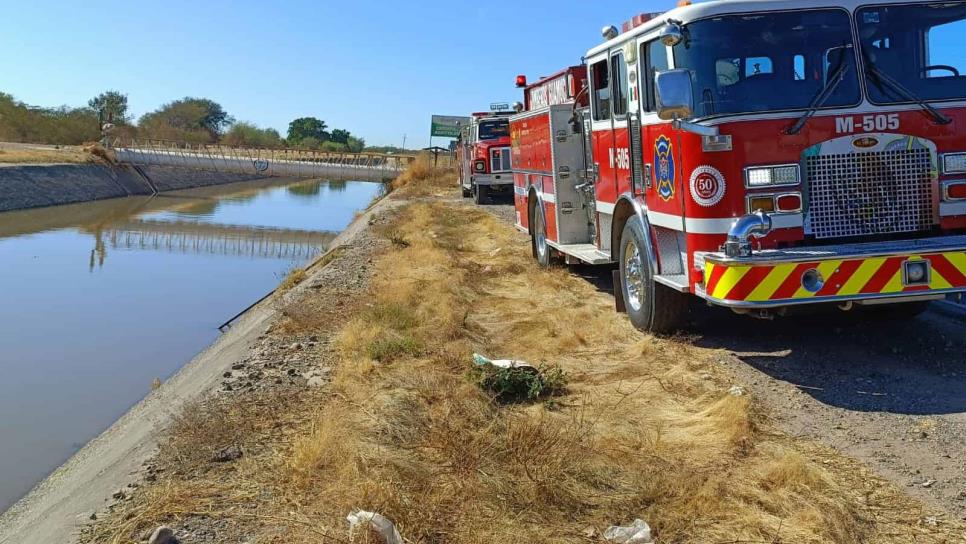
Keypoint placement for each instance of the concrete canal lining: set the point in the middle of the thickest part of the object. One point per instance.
(38, 185)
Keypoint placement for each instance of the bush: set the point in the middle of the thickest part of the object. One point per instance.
(249, 135)
(64, 125)
(518, 384)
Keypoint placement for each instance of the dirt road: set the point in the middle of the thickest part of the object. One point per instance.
(892, 394)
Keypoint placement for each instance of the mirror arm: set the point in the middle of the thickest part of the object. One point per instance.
(688, 126)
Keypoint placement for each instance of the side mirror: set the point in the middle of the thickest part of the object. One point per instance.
(674, 98)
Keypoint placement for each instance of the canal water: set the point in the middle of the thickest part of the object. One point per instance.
(99, 299)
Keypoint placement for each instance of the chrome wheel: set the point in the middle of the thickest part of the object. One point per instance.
(540, 236)
(633, 276)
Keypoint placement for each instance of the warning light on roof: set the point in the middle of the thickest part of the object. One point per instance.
(638, 20)
(683, 3)
(521, 81)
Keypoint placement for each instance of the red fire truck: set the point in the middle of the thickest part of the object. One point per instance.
(758, 155)
(483, 155)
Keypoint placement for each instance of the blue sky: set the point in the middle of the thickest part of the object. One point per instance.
(377, 68)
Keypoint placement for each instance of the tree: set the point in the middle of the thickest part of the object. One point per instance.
(111, 105)
(190, 119)
(20, 122)
(247, 134)
(310, 142)
(307, 127)
(355, 145)
(340, 136)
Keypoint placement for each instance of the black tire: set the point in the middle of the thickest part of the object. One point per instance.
(538, 237)
(652, 307)
(466, 192)
(479, 194)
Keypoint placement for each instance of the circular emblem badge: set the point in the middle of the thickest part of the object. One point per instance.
(260, 165)
(707, 186)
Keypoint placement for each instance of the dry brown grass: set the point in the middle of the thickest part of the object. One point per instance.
(293, 278)
(36, 155)
(423, 179)
(404, 431)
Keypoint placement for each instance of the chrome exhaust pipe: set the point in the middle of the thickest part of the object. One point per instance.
(754, 225)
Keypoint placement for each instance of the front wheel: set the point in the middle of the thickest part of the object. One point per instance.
(479, 194)
(466, 192)
(652, 307)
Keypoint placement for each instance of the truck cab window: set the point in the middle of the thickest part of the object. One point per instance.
(918, 46)
(760, 62)
(619, 71)
(944, 50)
(600, 88)
(653, 59)
(492, 130)
(799, 67)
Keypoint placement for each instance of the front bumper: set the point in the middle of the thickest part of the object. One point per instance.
(852, 272)
(502, 178)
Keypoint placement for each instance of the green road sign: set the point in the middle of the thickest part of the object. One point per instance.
(448, 126)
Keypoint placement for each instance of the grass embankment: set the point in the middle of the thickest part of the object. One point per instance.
(28, 154)
(643, 428)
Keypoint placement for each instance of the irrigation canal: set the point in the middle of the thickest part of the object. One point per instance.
(99, 299)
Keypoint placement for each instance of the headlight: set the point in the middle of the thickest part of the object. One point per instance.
(954, 163)
(770, 176)
(480, 166)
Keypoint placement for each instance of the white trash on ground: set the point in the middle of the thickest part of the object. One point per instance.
(638, 532)
(737, 391)
(377, 525)
(480, 360)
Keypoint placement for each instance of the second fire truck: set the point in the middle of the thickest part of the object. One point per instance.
(483, 155)
(757, 155)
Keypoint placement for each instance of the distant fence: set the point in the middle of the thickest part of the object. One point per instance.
(298, 163)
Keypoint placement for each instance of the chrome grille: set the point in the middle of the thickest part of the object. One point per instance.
(500, 159)
(860, 194)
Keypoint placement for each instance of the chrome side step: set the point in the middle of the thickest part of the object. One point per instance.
(678, 282)
(587, 253)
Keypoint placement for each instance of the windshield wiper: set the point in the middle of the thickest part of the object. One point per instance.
(820, 99)
(882, 77)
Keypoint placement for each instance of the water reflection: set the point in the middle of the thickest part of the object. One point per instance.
(101, 298)
(213, 239)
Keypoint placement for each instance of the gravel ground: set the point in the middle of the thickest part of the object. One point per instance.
(892, 394)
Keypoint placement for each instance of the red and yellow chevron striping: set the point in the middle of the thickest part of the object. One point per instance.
(849, 277)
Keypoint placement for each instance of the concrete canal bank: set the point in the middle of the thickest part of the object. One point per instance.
(37, 185)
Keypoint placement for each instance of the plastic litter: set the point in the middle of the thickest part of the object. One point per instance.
(638, 532)
(378, 526)
(480, 360)
(737, 391)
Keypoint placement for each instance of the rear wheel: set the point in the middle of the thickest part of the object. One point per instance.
(652, 307)
(538, 240)
(479, 194)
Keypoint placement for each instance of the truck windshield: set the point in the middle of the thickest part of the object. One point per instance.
(769, 61)
(919, 47)
(492, 130)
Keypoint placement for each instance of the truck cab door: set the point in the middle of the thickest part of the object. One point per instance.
(659, 142)
(602, 141)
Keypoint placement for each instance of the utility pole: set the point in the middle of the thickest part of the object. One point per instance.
(404, 142)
